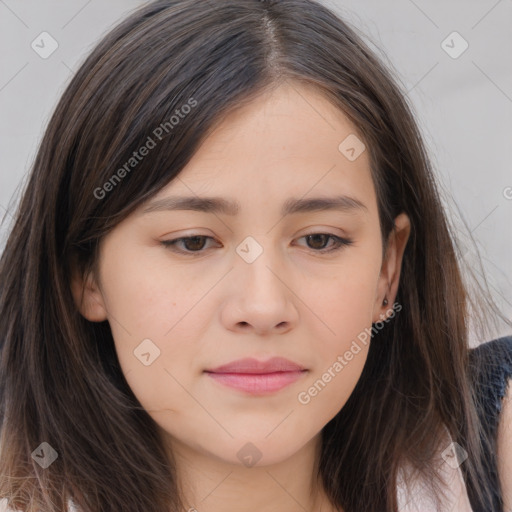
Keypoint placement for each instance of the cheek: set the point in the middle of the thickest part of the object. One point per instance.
(155, 314)
(340, 358)
(328, 389)
(345, 299)
(344, 306)
(146, 294)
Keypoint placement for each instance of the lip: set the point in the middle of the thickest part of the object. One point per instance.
(251, 365)
(258, 377)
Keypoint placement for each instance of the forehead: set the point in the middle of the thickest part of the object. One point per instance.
(288, 142)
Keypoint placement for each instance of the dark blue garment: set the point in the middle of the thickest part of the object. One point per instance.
(490, 371)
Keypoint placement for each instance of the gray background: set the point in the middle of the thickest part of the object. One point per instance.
(463, 104)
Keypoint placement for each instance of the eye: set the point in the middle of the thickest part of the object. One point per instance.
(194, 245)
(319, 240)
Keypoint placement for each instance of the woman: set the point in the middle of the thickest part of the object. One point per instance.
(231, 283)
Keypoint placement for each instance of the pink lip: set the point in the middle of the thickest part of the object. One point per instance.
(251, 365)
(258, 377)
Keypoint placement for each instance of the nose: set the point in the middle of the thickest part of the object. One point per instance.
(262, 300)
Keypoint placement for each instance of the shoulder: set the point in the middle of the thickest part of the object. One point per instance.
(491, 375)
(504, 448)
(414, 494)
(491, 372)
(498, 351)
(495, 353)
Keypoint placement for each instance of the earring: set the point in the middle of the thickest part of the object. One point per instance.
(385, 302)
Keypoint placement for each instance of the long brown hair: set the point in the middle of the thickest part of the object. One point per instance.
(60, 380)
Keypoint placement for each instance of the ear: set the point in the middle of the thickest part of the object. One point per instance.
(87, 296)
(389, 277)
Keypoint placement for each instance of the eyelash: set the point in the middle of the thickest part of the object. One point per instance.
(339, 244)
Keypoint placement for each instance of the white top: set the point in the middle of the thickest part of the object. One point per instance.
(414, 497)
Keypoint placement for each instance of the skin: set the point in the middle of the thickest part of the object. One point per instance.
(207, 310)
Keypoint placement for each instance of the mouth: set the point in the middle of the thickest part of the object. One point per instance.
(258, 377)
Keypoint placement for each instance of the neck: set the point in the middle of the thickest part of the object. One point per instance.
(211, 484)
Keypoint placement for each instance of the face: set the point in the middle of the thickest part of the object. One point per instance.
(272, 274)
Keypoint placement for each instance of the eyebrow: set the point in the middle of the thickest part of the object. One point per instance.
(230, 207)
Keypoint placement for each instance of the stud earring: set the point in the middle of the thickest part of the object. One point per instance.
(385, 302)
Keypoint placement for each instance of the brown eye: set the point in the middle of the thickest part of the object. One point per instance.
(317, 242)
(191, 244)
(195, 243)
